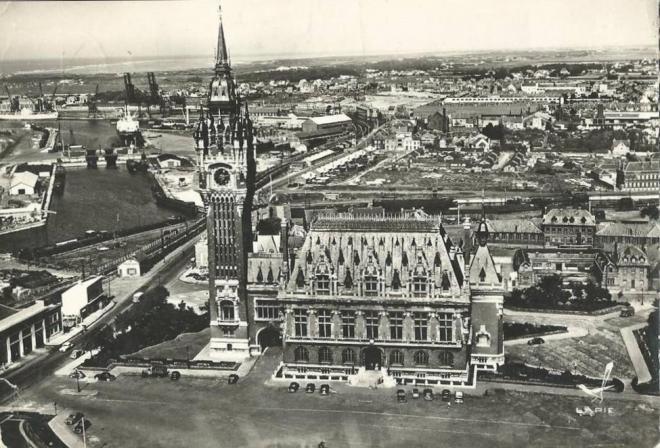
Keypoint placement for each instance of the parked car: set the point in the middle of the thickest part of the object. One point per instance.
(535, 341)
(325, 389)
(401, 396)
(66, 347)
(415, 393)
(73, 418)
(175, 375)
(77, 374)
(458, 397)
(233, 379)
(293, 387)
(105, 376)
(310, 388)
(76, 354)
(428, 394)
(83, 422)
(627, 312)
(446, 395)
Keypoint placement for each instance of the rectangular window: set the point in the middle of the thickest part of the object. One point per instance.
(396, 326)
(445, 327)
(371, 318)
(348, 324)
(421, 327)
(325, 324)
(323, 284)
(419, 285)
(266, 309)
(370, 286)
(300, 322)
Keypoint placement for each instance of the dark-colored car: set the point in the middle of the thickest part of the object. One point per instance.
(175, 375)
(428, 394)
(293, 387)
(535, 341)
(627, 312)
(233, 379)
(446, 395)
(401, 396)
(105, 376)
(325, 389)
(73, 418)
(78, 429)
(310, 388)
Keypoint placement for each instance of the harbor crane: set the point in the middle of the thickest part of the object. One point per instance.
(14, 101)
(92, 108)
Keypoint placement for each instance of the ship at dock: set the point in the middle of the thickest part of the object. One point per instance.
(128, 130)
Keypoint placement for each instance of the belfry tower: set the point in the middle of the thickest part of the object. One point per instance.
(224, 141)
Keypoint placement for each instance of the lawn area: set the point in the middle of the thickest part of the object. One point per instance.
(184, 345)
(588, 354)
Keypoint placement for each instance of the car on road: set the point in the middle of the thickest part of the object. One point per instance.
(105, 376)
(446, 395)
(428, 394)
(401, 396)
(458, 397)
(233, 379)
(73, 418)
(76, 354)
(83, 424)
(175, 375)
(536, 341)
(415, 393)
(77, 374)
(66, 347)
(325, 389)
(293, 387)
(627, 312)
(310, 388)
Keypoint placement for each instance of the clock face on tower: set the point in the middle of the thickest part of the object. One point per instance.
(221, 176)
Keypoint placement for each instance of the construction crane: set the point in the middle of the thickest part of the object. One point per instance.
(51, 104)
(92, 108)
(41, 103)
(14, 102)
(129, 87)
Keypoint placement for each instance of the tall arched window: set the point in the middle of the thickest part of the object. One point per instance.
(301, 354)
(227, 310)
(348, 356)
(325, 355)
(446, 358)
(396, 358)
(421, 358)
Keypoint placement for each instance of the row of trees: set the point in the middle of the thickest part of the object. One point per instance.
(550, 293)
(151, 321)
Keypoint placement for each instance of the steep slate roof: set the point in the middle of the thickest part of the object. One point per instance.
(569, 216)
(512, 226)
(646, 229)
(394, 247)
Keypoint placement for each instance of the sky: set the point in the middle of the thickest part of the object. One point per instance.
(254, 28)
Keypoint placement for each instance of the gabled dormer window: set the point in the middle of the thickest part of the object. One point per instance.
(446, 284)
(436, 260)
(270, 277)
(340, 257)
(482, 275)
(348, 280)
(260, 276)
(300, 279)
(388, 259)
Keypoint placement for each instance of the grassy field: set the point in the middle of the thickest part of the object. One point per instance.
(588, 354)
(184, 345)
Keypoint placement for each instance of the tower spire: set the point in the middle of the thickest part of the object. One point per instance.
(221, 57)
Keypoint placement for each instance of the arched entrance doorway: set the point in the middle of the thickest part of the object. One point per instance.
(371, 357)
(269, 337)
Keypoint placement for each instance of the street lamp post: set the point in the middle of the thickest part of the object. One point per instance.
(78, 381)
(83, 432)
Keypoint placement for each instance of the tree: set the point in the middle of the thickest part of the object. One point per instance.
(651, 212)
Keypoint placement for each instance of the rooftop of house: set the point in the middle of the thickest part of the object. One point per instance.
(569, 216)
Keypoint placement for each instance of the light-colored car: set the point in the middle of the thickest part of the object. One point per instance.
(66, 347)
(77, 354)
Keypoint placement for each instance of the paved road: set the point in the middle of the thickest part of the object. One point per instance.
(41, 367)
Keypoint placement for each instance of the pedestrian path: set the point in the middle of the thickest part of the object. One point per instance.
(635, 354)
